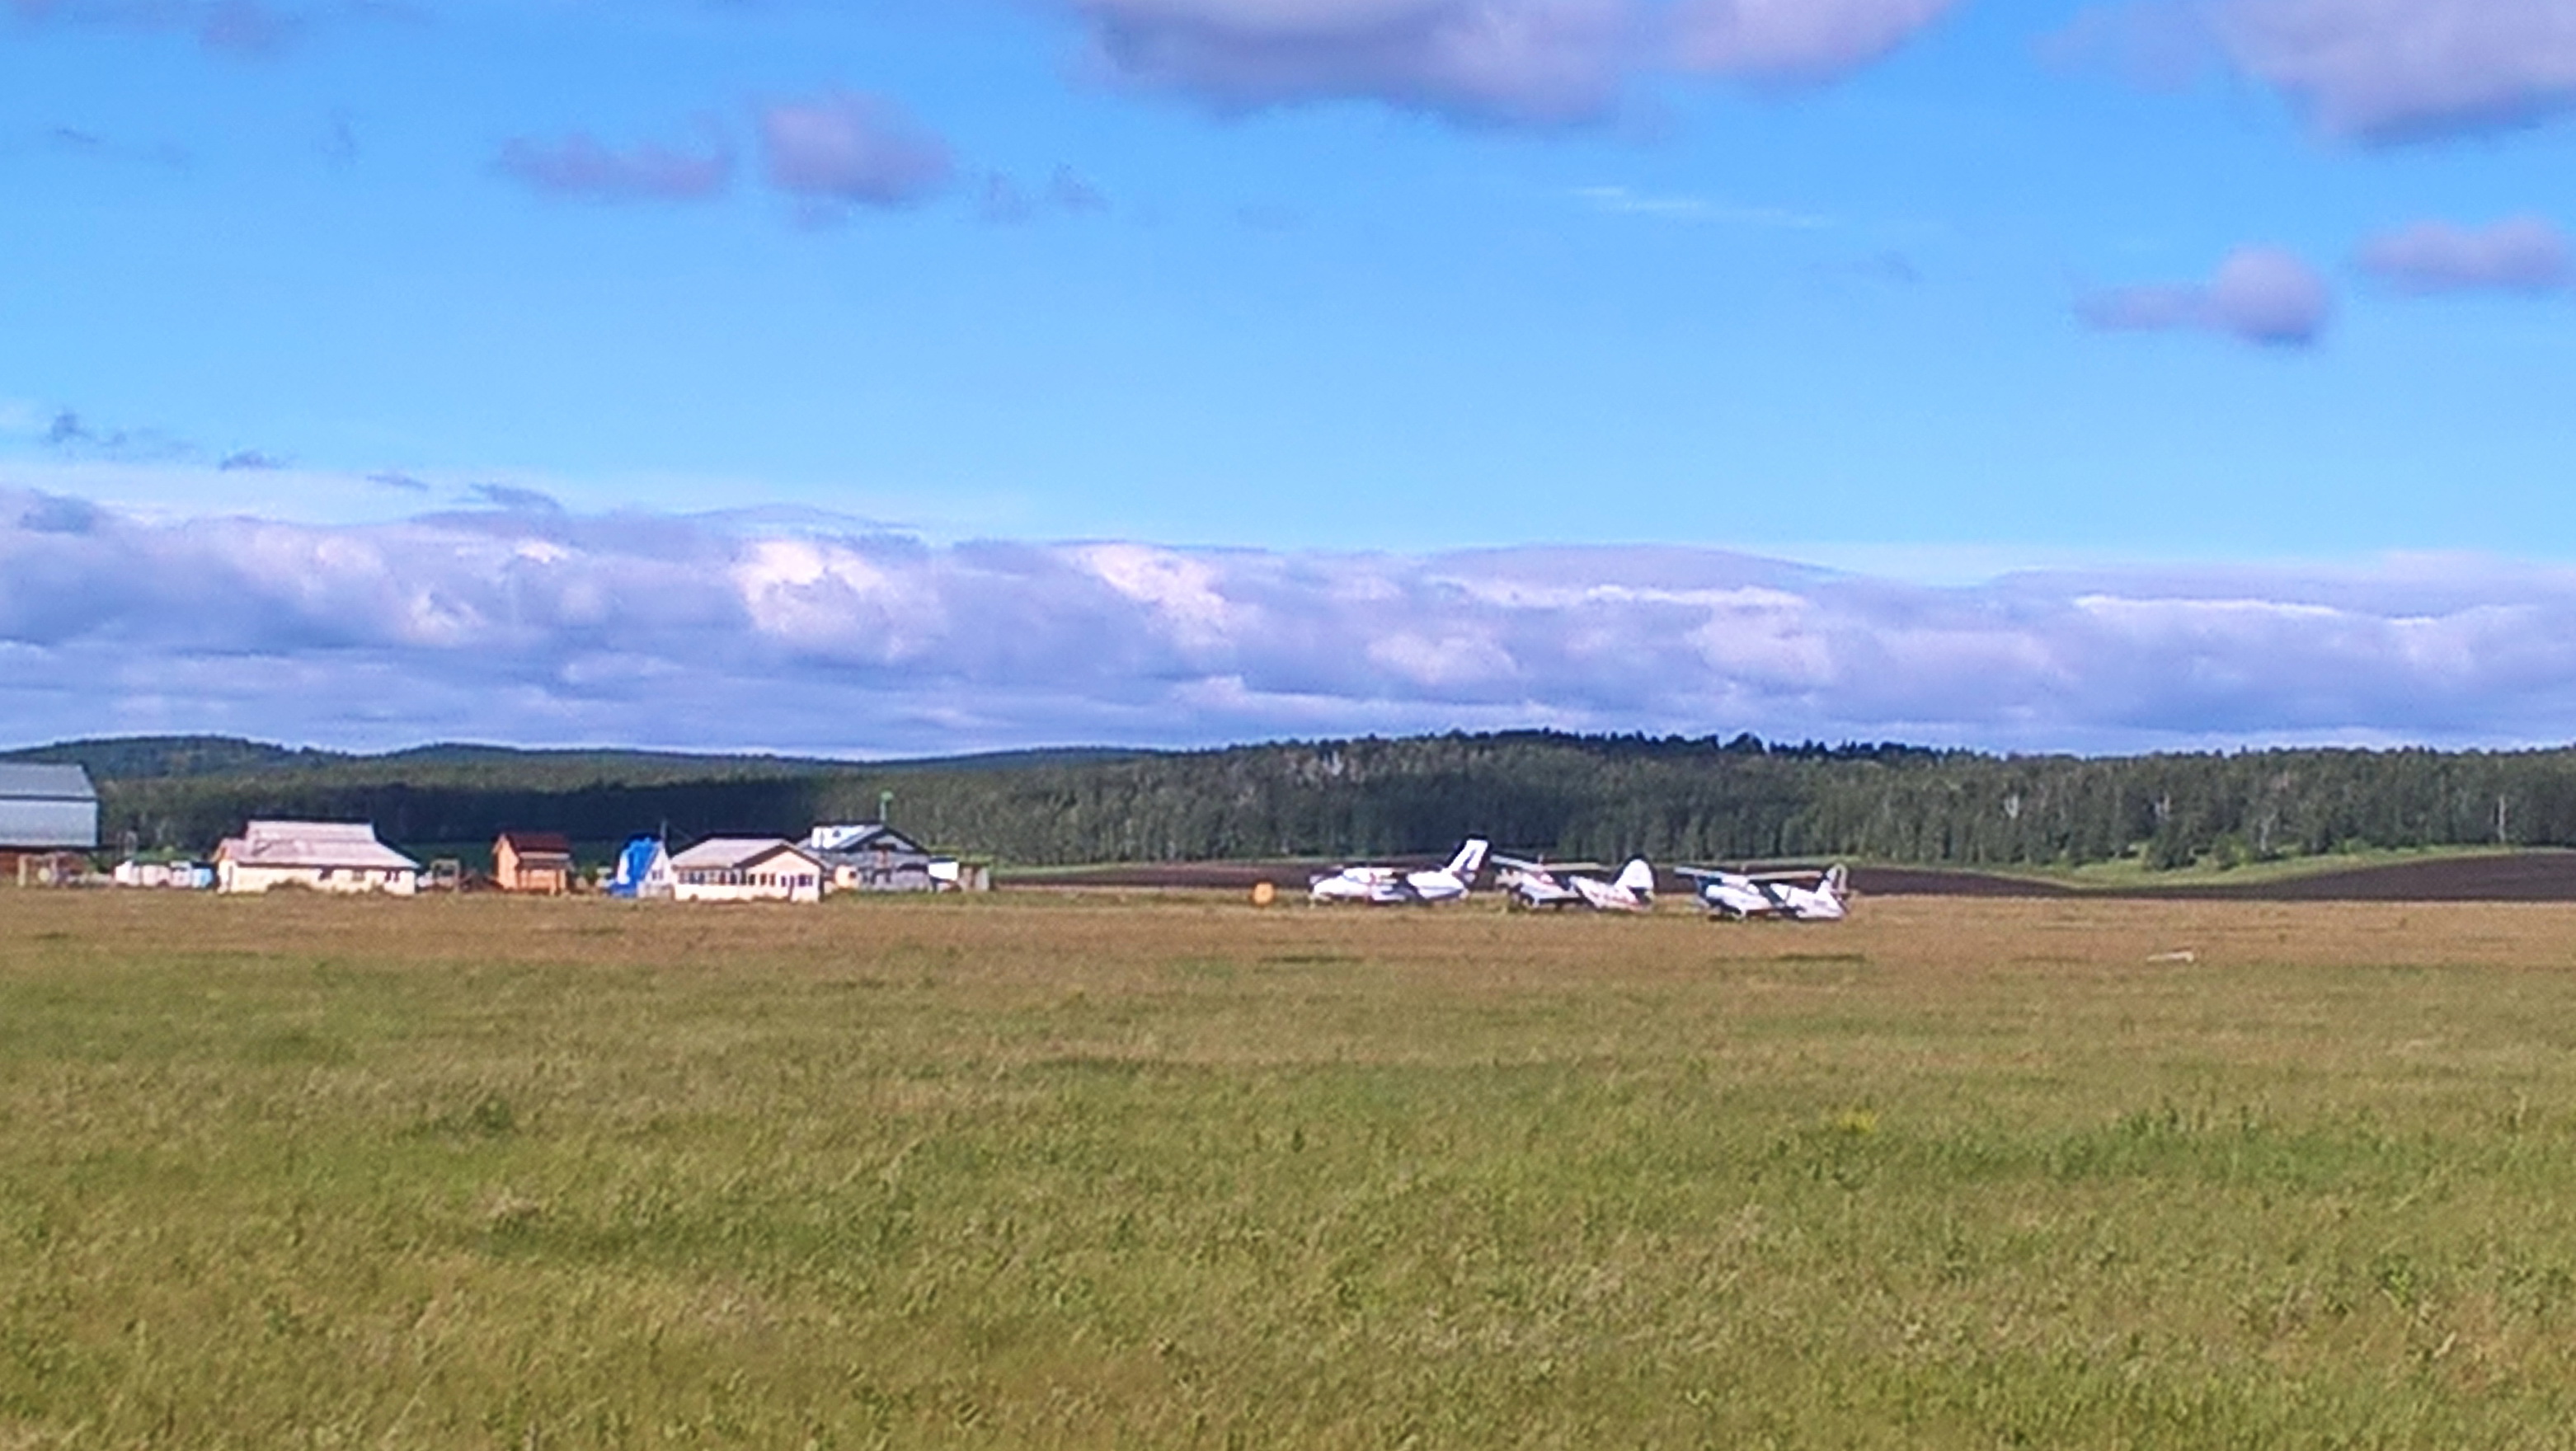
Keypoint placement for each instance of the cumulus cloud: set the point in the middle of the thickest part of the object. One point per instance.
(843, 148)
(581, 167)
(2259, 295)
(2371, 71)
(2391, 70)
(1509, 61)
(552, 626)
(2525, 254)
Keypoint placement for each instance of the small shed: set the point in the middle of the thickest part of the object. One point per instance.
(874, 857)
(325, 856)
(747, 869)
(532, 861)
(45, 810)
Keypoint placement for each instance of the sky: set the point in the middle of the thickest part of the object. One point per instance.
(905, 376)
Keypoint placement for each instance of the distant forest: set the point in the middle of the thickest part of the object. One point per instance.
(1567, 795)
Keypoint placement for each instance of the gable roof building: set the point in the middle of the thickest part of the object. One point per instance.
(532, 861)
(872, 857)
(643, 870)
(328, 856)
(747, 869)
(47, 808)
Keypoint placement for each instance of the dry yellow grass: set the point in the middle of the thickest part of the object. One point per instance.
(1120, 1171)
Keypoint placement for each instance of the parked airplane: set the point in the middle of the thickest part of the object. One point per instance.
(1564, 884)
(1797, 896)
(1538, 883)
(1633, 890)
(1382, 886)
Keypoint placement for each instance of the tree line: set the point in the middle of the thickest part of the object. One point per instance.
(1600, 797)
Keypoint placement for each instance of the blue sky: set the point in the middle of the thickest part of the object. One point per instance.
(2239, 303)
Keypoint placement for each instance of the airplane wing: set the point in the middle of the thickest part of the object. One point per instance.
(1523, 864)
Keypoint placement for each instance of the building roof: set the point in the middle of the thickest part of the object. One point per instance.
(734, 853)
(24, 782)
(295, 844)
(538, 843)
(864, 836)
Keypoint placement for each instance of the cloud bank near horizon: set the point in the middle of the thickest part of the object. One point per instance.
(535, 626)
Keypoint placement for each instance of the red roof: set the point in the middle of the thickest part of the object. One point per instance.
(538, 843)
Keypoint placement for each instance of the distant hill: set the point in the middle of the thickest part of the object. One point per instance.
(1600, 797)
(130, 757)
(142, 758)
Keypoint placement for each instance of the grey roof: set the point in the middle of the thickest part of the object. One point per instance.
(301, 844)
(867, 836)
(733, 853)
(45, 783)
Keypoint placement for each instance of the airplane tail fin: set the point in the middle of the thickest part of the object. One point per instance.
(1838, 880)
(1638, 877)
(1470, 859)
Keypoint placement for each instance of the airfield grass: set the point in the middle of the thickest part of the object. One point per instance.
(1098, 1170)
(2133, 874)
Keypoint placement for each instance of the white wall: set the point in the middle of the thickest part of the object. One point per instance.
(758, 886)
(236, 877)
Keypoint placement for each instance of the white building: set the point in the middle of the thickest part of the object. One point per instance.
(327, 856)
(747, 869)
(872, 857)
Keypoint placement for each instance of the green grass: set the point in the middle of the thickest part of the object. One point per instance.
(1027, 1171)
(2133, 874)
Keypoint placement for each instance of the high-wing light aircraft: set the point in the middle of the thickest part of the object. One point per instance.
(1565, 884)
(1633, 890)
(1384, 886)
(1797, 896)
(1538, 883)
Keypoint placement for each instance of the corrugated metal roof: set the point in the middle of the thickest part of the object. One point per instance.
(28, 782)
(732, 853)
(313, 844)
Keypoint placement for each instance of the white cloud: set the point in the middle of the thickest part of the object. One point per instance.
(2375, 72)
(844, 148)
(1510, 61)
(2522, 254)
(680, 632)
(2388, 70)
(2259, 295)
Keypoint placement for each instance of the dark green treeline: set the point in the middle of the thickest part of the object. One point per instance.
(1587, 796)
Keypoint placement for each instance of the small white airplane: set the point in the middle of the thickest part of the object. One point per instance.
(1385, 886)
(1564, 884)
(1538, 884)
(1633, 890)
(1796, 896)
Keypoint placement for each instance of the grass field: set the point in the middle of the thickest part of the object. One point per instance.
(1096, 1171)
(2132, 874)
